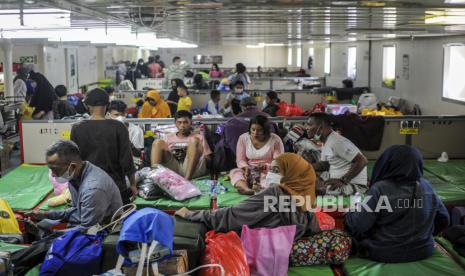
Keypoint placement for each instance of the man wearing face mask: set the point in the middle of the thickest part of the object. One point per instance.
(118, 111)
(105, 143)
(346, 164)
(95, 197)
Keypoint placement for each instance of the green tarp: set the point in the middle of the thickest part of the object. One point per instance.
(317, 270)
(438, 264)
(445, 178)
(452, 171)
(196, 203)
(450, 249)
(230, 197)
(25, 186)
(11, 247)
(15, 247)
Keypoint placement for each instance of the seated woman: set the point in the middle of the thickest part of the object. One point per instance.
(254, 152)
(402, 230)
(290, 176)
(154, 106)
(270, 103)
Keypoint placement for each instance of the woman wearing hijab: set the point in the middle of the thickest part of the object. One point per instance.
(19, 84)
(43, 97)
(290, 175)
(154, 106)
(404, 232)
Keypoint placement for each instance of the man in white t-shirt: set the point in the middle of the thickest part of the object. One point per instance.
(118, 111)
(346, 164)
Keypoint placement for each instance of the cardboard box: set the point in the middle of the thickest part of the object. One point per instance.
(175, 265)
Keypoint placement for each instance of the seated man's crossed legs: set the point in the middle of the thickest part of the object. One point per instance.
(193, 164)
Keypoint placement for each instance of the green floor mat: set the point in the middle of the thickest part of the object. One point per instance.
(450, 248)
(317, 270)
(438, 264)
(25, 186)
(44, 206)
(15, 247)
(231, 197)
(11, 247)
(452, 171)
(196, 203)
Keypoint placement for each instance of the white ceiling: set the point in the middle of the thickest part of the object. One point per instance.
(280, 21)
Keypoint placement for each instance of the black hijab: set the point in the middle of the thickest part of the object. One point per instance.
(398, 163)
(44, 95)
(21, 73)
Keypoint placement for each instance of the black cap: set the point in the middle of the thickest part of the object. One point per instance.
(97, 97)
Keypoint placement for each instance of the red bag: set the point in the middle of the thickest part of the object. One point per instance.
(288, 110)
(296, 110)
(224, 249)
(284, 109)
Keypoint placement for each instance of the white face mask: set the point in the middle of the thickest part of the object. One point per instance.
(264, 104)
(273, 178)
(122, 119)
(66, 177)
(112, 98)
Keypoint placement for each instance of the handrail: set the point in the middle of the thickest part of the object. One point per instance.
(274, 119)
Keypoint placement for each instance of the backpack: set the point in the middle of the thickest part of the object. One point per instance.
(74, 253)
(224, 158)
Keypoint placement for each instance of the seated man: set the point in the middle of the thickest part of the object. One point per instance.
(118, 111)
(94, 194)
(346, 164)
(185, 152)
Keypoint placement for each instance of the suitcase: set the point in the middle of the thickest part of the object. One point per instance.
(458, 216)
(191, 237)
(187, 235)
(110, 256)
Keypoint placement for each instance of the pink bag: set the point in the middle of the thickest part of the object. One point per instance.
(268, 249)
(58, 188)
(173, 184)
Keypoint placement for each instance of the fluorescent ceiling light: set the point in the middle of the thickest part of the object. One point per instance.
(261, 45)
(445, 17)
(35, 18)
(118, 36)
(454, 1)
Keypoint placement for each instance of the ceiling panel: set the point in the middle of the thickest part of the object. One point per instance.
(280, 21)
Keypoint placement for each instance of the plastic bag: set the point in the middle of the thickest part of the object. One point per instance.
(287, 110)
(173, 184)
(284, 109)
(268, 249)
(149, 190)
(225, 249)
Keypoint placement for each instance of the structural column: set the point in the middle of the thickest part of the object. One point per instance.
(7, 48)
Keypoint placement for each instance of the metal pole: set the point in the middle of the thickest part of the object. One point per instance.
(7, 47)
